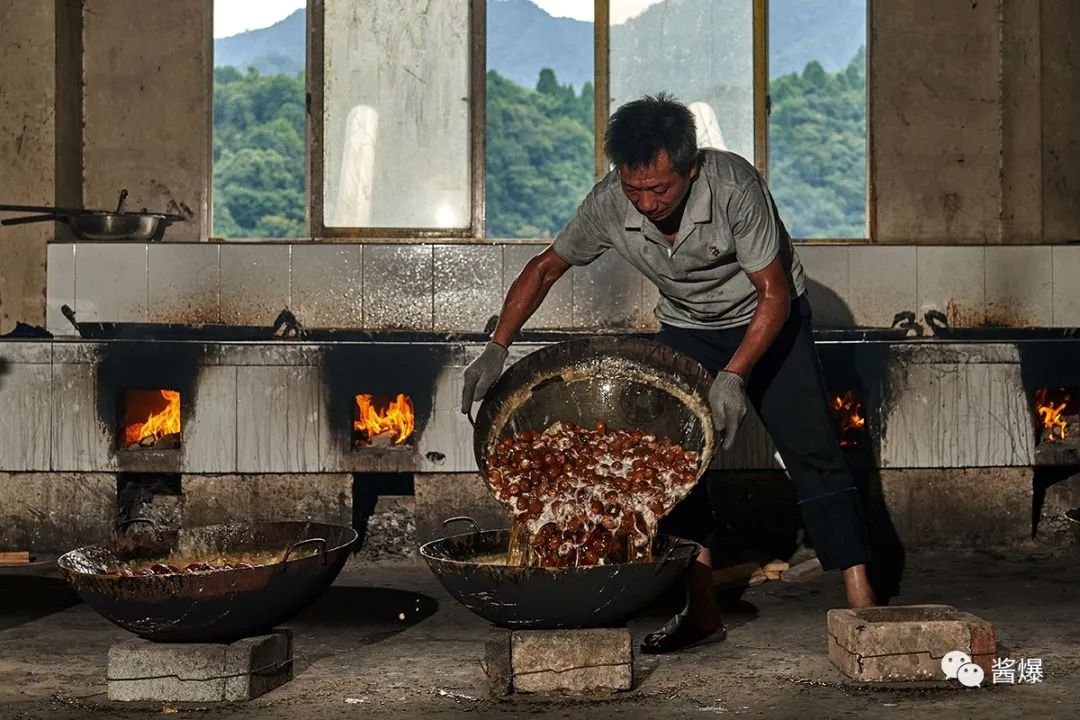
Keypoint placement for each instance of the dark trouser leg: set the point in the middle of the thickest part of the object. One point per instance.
(788, 391)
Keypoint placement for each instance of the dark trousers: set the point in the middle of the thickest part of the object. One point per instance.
(788, 392)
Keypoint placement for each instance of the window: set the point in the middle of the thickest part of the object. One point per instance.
(480, 119)
(259, 131)
(702, 52)
(395, 118)
(817, 123)
(539, 117)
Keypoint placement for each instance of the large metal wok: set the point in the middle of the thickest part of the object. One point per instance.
(626, 382)
(215, 605)
(472, 567)
(98, 224)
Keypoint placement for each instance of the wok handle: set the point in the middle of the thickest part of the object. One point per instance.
(464, 519)
(127, 523)
(32, 219)
(321, 541)
(671, 550)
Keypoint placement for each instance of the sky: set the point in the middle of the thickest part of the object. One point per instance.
(236, 16)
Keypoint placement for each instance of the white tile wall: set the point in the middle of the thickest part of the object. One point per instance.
(556, 312)
(1066, 284)
(183, 283)
(1018, 289)
(110, 282)
(398, 287)
(254, 283)
(882, 283)
(330, 285)
(60, 287)
(828, 283)
(952, 280)
(467, 282)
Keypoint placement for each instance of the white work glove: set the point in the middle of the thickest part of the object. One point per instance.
(727, 400)
(481, 374)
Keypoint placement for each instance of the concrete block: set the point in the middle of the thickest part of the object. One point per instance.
(906, 643)
(973, 507)
(55, 512)
(444, 495)
(141, 670)
(571, 661)
(213, 499)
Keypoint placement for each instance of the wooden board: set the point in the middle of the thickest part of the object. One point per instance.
(19, 557)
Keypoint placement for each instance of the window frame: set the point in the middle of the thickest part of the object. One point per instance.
(475, 232)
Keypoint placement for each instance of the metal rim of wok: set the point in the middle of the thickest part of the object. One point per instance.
(217, 605)
(601, 378)
(537, 598)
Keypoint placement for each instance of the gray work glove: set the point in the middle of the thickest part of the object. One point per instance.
(727, 399)
(482, 374)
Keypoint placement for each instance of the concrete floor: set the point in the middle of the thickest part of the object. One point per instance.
(351, 645)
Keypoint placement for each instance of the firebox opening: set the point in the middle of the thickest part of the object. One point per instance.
(150, 419)
(1057, 415)
(850, 418)
(382, 420)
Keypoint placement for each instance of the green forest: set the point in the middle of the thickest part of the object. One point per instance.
(540, 153)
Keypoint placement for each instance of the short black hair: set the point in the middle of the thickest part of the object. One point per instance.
(640, 129)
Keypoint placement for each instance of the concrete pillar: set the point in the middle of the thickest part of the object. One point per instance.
(147, 108)
(1060, 55)
(935, 117)
(27, 145)
(1021, 152)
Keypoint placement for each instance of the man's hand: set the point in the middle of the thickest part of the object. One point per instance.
(727, 399)
(482, 374)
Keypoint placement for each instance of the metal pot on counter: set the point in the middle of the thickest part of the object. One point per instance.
(98, 224)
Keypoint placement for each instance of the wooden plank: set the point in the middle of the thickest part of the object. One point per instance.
(19, 557)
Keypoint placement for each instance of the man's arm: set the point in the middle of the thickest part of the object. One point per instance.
(526, 293)
(773, 306)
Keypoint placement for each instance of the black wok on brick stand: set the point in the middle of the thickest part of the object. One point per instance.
(301, 560)
(627, 383)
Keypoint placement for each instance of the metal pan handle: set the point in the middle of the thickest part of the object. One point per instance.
(321, 541)
(127, 523)
(465, 519)
(694, 550)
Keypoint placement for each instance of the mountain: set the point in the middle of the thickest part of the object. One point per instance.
(523, 39)
(280, 48)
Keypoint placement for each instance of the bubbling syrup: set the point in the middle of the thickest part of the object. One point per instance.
(581, 497)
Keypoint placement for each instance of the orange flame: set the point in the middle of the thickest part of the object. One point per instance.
(398, 418)
(163, 422)
(848, 409)
(1050, 413)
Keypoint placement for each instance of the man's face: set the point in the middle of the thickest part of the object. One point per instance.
(656, 190)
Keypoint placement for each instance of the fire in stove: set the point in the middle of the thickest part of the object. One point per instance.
(151, 419)
(382, 420)
(1056, 414)
(847, 412)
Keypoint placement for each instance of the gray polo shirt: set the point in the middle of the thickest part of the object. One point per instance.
(730, 227)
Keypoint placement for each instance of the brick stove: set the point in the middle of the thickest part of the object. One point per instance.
(926, 416)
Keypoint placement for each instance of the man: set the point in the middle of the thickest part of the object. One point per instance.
(702, 226)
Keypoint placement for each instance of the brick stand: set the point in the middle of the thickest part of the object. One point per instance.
(200, 672)
(561, 661)
(902, 643)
